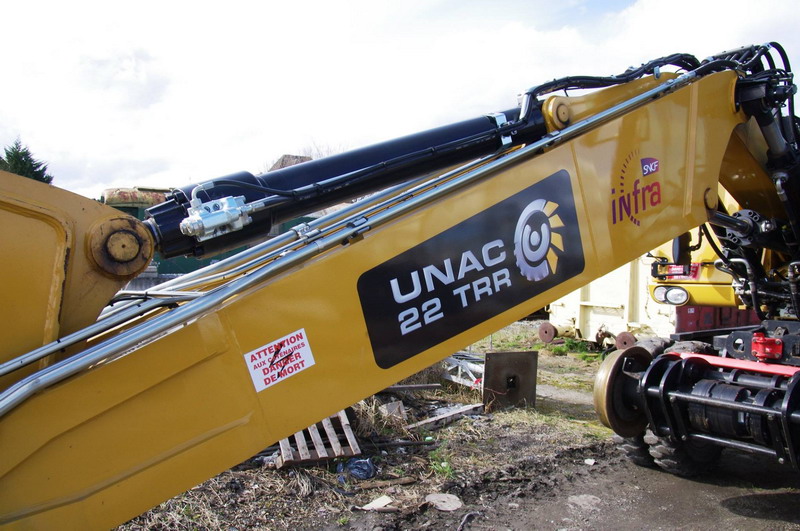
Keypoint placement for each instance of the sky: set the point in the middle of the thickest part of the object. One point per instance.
(168, 93)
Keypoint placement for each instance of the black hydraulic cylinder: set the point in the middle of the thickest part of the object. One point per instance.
(314, 185)
(737, 225)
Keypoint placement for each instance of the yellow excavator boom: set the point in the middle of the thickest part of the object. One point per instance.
(170, 387)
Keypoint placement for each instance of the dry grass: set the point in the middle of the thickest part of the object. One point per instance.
(371, 421)
(522, 336)
(252, 499)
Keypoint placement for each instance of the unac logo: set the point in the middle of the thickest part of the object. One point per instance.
(636, 189)
(534, 238)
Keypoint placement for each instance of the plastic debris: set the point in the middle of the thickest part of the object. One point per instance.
(358, 468)
(377, 503)
(394, 409)
(361, 468)
(380, 505)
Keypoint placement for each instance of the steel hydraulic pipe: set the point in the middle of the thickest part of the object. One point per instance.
(134, 310)
(730, 443)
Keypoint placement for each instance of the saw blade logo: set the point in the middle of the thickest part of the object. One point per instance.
(535, 237)
(472, 271)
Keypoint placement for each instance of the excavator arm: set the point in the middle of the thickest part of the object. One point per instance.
(172, 386)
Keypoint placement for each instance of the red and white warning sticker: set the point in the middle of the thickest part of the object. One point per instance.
(280, 359)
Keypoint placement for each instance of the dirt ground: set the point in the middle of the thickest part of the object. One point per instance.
(548, 467)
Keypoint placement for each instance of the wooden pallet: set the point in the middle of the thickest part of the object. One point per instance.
(331, 438)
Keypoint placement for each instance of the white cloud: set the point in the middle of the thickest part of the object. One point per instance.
(164, 93)
(133, 75)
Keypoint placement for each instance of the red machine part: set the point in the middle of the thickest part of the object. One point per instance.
(766, 348)
(746, 365)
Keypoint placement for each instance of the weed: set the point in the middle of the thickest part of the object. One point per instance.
(559, 350)
(398, 471)
(441, 464)
(570, 345)
(518, 336)
(460, 394)
(589, 356)
(576, 345)
(343, 520)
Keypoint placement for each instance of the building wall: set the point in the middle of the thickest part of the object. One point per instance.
(617, 302)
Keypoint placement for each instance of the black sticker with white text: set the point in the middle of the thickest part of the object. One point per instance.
(493, 261)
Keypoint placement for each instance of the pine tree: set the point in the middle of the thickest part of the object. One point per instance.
(19, 159)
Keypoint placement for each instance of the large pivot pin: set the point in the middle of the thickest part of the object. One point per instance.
(121, 247)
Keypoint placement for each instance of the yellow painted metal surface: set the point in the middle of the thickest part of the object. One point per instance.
(107, 444)
(52, 286)
(561, 111)
(743, 176)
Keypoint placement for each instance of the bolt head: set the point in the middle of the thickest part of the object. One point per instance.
(123, 246)
(562, 113)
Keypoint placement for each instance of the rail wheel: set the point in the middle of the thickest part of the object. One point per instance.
(615, 399)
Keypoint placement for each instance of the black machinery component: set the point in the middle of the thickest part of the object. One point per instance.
(740, 343)
(748, 228)
(297, 190)
(689, 399)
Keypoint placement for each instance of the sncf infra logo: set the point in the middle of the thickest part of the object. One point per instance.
(536, 234)
(637, 189)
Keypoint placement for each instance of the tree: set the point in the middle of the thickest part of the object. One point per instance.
(19, 159)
